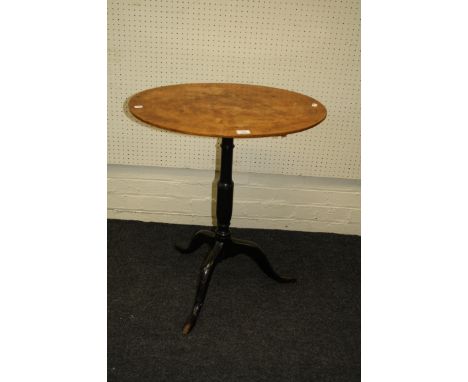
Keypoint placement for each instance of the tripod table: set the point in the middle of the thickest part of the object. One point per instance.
(226, 111)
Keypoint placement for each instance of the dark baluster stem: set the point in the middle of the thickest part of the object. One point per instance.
(225, 190)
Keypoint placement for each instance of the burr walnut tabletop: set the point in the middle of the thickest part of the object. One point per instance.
(227, 110)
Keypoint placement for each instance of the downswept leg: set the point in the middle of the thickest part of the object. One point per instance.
(207, 267)
(253, 251)
(198, 239)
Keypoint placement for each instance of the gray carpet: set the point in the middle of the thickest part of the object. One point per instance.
(250, 328)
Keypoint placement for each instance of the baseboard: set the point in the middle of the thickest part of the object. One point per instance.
(185, 196)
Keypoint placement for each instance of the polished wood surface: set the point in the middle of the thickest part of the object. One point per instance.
(227, 110)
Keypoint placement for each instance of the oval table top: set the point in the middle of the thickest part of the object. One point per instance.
(227, 110)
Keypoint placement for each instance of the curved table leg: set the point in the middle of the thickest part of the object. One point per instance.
(252, 250)
(198, 239)
(207, 267)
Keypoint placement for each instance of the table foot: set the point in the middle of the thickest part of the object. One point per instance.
(207, 267)
(201, 237)
(253, 251)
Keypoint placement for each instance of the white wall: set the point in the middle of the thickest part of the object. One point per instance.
(312, 47)
(293, 183)
(184, 196)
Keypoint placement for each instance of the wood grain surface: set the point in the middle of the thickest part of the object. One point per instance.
(227, 110)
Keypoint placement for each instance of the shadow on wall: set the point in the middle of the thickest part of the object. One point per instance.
(214, 185)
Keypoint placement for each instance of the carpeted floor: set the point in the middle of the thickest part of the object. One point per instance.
(250, 328)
